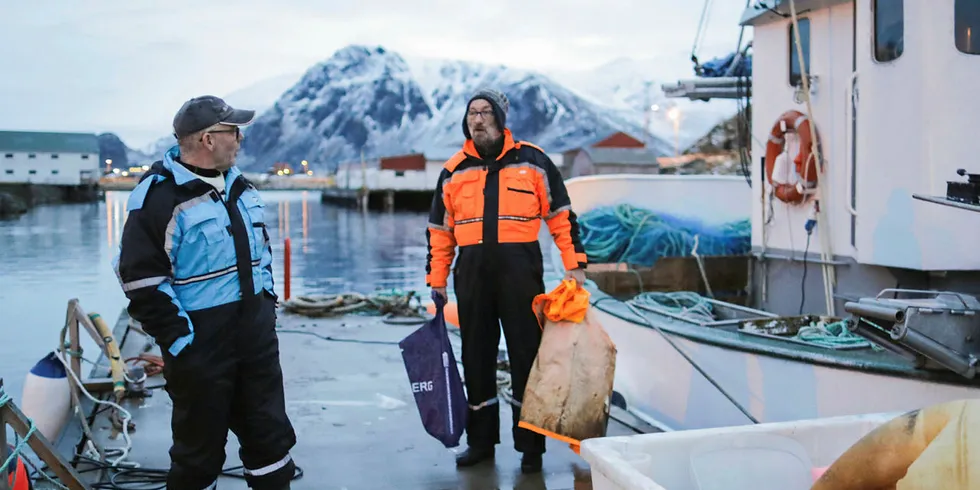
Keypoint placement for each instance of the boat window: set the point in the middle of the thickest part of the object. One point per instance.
(889, 29)
(794, 59)
(966, 15)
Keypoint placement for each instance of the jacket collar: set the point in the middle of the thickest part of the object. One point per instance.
(182, 176)
(470, 148)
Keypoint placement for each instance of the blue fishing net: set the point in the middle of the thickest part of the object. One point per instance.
(627, 234)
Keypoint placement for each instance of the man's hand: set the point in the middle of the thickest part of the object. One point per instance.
(441, 292)
(576, 274)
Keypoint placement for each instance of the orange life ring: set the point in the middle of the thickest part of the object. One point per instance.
(796, 121)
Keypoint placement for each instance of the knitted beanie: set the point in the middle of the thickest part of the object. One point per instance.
(498, 101)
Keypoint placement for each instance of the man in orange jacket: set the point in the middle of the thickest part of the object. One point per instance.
(489, 201)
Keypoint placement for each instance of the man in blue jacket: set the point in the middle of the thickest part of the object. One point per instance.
(196, 264)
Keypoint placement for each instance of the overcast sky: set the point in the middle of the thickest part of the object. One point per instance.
(125, 66)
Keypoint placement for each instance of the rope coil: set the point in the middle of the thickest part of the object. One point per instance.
(390, 303)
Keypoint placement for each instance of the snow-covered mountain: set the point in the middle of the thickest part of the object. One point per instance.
(361, 99)
(372, 99)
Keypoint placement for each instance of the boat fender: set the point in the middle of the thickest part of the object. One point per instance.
(46, 398)
(805, 162)
(934, 447)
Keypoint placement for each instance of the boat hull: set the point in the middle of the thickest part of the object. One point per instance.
(659, 385)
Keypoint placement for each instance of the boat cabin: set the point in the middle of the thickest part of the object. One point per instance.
(892, 98)
(891, 102)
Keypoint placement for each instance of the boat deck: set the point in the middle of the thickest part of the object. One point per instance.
(355, 417)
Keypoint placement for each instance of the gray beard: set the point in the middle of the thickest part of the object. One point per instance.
(489, 147)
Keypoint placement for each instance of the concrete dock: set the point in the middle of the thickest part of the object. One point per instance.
(354, 414)
(379, 199)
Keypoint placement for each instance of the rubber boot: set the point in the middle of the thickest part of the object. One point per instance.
(531, 463)
(474, 455)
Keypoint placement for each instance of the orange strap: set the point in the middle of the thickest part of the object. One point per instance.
(574, 445)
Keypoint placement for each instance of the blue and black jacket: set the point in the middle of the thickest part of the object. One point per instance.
(183, 248)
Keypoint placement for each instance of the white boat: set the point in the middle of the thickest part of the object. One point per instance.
(892, 244)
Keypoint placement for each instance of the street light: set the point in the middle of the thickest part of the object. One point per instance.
(674, 114)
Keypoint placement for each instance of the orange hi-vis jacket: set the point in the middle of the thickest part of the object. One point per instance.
(478, 202)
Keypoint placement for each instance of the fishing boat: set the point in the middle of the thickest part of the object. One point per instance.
(857, 291)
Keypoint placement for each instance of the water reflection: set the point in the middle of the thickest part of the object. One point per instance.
(56, 253)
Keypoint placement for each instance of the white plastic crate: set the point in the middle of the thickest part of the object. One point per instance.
(773, 456)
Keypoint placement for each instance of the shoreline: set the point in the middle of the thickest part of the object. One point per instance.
(16, 199)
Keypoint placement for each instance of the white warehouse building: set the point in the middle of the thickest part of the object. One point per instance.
(49, 158)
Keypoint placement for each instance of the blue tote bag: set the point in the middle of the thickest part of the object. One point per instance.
(434, 377)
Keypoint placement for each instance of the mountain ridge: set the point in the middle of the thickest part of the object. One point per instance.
(368, 98)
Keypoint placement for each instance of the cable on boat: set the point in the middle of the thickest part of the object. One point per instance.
(335, 339)
(694, 364)
(826, 253)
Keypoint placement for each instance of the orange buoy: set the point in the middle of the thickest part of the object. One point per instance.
(450, 311)
(18, 478)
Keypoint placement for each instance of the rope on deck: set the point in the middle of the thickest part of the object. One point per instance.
(32, 427)
(835, 334)
(687, 304)
(684, 304)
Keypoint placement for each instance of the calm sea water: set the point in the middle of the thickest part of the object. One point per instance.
(59, 252)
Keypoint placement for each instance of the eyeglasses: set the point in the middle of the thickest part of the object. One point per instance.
(236, 130)
(485, 114)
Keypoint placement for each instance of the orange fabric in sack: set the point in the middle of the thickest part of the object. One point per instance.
(570, 384)
(565, 302)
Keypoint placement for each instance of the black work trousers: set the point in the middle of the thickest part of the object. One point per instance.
(230, 378)
(495, 285)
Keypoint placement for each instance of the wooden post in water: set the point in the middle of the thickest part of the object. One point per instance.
(287, 259)
(389, 200)
(365, 191)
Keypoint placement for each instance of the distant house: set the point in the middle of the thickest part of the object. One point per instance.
(412, 171)
(616, 153)
(49, 158)
(599, 161)
(618, 139)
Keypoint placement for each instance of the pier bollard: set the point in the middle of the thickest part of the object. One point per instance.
(286, 264)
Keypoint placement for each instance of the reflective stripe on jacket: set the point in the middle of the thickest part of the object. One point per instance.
(182, 248)
(480, 202)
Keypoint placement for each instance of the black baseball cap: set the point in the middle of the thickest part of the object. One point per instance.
(206, 111)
